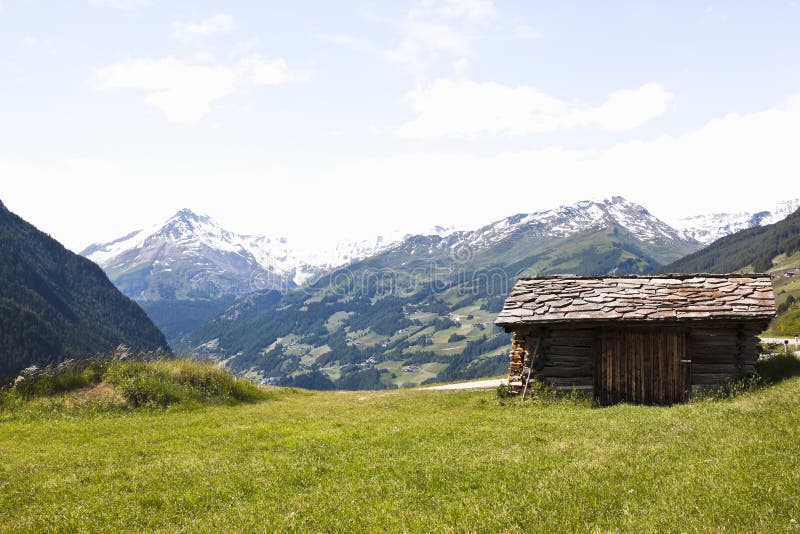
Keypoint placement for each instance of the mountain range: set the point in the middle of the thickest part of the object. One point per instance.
(55, 304)
(423, 308)
(707, 228)
(383, 313)
(188, 268)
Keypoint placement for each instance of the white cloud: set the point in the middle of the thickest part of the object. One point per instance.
(524, 30)
(184, 91)
(245, 47)
(204, 57)
(275, 72)
(424, 42)
(421, 44)
(627, 109)
(219, 23)
(435, 28)
(120, 4)
(736, 162)
(431, 31)
(29, 41)
(470, 9)
(468, 109)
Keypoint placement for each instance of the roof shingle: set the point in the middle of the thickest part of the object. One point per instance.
(673, 297)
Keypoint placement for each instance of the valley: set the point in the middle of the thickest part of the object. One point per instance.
(423, 310)
(406, 312)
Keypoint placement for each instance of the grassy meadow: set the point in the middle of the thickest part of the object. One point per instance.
(405, 460)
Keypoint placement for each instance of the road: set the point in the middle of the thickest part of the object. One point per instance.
(777, 340)
(480, 384)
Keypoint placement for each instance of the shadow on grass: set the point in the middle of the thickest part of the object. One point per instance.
(778, 368)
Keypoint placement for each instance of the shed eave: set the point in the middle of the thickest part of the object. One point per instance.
(638, 320)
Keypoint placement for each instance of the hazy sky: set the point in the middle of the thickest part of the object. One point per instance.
(330, 120)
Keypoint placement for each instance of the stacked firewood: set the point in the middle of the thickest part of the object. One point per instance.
(518, 355)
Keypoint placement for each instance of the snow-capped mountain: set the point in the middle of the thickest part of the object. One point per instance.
(187, 269)
(187, 257)
(592, 236)
(708, 228)
(463, 275)
(572, 219)
(191, 256)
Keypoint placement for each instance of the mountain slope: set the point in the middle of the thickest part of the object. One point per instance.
(774, 248)
(752, 249)
(55, 304)
(423, 309)
(707, 228)
(189, 256)
(188, 268)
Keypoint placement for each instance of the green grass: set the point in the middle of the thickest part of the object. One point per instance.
(110, 384)
(407, 461)
(785, 325)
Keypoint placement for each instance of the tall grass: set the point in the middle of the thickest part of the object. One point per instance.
(166, 382)
(136, 383)
(66, 376)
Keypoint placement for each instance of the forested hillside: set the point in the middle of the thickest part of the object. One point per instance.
(56, 304)
(753, 249)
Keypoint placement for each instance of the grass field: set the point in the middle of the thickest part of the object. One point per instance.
(407, 460)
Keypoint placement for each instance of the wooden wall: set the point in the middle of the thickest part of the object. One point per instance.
(722, 353)
(566, 355)
(642, 366)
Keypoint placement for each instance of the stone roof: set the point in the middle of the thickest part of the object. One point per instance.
(671, 297)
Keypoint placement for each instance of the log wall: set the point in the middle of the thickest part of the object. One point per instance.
(566, 356)
(559, 356)
(722, 354)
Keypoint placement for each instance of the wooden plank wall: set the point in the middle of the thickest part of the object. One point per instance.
(642, 365)
(568, 356)
(721, 354)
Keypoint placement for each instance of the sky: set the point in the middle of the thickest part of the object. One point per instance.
(328, 121)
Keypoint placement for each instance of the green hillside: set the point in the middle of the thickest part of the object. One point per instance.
(422, 311)
(55, 304)
(774, 248)
(406, 461)
(754, 249)
(176, 317)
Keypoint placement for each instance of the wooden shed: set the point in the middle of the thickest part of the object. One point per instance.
(640, 339)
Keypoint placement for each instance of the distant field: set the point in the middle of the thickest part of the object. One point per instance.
(407, 460)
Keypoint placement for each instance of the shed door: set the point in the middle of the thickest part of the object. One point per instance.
(645, 366)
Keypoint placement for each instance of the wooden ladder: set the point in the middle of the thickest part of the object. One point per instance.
(530, 368)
